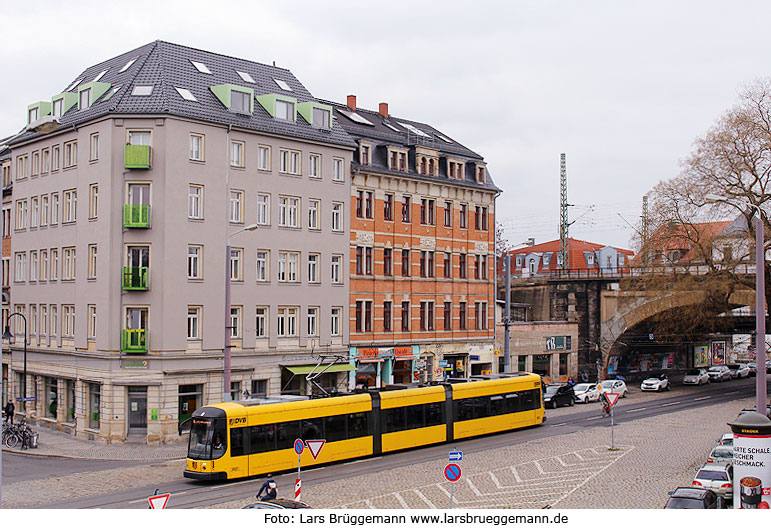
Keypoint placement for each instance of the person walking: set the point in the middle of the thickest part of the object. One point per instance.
(270, 488)
(9, 410)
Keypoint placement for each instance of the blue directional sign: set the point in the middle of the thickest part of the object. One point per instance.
(456, 456)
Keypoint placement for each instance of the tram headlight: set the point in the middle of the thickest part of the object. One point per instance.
(203, 466)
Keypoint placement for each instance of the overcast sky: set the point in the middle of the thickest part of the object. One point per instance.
(623, 88)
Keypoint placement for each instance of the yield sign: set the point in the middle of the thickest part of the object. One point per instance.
(612, 398)
(159, 501)
(315, 446)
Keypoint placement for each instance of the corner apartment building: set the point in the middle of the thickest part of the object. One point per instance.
(122, 212)
(5, 167)
(421, 252)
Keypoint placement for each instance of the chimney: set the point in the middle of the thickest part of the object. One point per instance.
(351, 103)
(383, 110)
(530, 242)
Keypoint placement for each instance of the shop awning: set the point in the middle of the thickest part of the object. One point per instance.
(306, 369)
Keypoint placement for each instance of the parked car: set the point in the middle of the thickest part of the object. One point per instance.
(613, 386)
(719, 373)
(693, 498)
(655, 383)
(726, 440)
(752, 366)
(278, 503)
(738, 370)
(721, 454)
(696, 377)
(557, 395)
(586, 392)
(717, 478)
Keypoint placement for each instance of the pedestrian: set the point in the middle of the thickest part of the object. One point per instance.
(9, 410)
(270, 488)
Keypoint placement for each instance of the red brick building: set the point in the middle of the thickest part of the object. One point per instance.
(422, 277)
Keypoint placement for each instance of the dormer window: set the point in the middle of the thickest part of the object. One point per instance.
(590, 260)
(58, 106)
(423, 165)
(481, 174)
(321, 118)
(240, 101)
(402, 162)
(85, 99)
(33, 115)
(431, 167)
(365, 155)
(393, 158)
(285, 110)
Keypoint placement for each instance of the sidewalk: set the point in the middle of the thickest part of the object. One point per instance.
(57, 444)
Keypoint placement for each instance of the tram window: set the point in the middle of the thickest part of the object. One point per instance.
(262, 438)
(464, 409)
(312, 429)
(357, 425)
(497, 405)
(237, 442)
(434, 414)
(334, 428)
(219, 440)
(512, 403)
(482, 407)
(200, 439)
(287, 434)
(530, 399)
(394, 419)
(414, 417)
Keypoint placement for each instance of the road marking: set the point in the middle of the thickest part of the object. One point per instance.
(702, 398)
(670, 404)
(362, 461)
(138, 501)
(635, 410)
(401, 501)
(473, 487)
(560, 424)
(594, 418)
(538, 466)
(578, 456)
(426, 500)
(516, 476)
(221, 486)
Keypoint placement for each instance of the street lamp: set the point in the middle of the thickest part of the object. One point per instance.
(228, 275)
(7, 336)
(760, 304)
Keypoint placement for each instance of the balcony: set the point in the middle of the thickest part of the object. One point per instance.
(135, 278)
(137, 157)
(133, 341)
(136, 216)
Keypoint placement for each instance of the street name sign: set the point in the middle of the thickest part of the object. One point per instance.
(456, 456)
(452, 472)
(612, 398)
(315, 446)
(158, 501)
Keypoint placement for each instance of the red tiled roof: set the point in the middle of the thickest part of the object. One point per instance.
(576, 249)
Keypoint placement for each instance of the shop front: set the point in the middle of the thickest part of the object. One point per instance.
(380, 366)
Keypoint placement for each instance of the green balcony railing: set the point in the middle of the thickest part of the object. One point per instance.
(135, 278)
(136, 216)
(137, 157)
(133, 341)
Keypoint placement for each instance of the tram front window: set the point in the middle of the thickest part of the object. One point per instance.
(200, 439)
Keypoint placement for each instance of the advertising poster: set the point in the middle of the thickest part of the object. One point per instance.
(612, 364)
(700, 356)
(752, 467)
(718, 352)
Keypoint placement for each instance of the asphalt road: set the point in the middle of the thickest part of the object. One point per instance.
(18, 467)
(188, 493)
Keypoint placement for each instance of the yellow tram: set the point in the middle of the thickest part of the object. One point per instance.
(239, 439)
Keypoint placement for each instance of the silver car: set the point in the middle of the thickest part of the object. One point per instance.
(696, 377)
(717, 478)
(719, 373)
(721, 454)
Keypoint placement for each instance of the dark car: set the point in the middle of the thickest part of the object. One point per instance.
(693, 498)
(278, 503)
(558, 395)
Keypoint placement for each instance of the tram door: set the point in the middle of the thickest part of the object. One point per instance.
(137, 414)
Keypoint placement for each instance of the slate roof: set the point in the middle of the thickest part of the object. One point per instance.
(165, 65)
(380, 135)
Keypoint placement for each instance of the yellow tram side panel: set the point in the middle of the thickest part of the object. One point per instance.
(482, 426)
(286, 459)
(400, 440)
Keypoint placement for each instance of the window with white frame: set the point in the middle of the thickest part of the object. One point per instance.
(313, 321)
(43, 320)
(195, 202)
(92, 321)
(193, 323)
(54, 321)
(35, 163)
(69, 211)
(94, 145)
(20, 271)
(337, 217)
(7, 221)
(287, 321)
(263, 209)
(92, 261)
(320, 118)
(236, 272)
(263, 158)
(335, 320)
(54, 208)
(196, 152)
(68, 263)
(33, 330)
(337, 170)
(33, 266)
(287, 266)
(285, 110)
(289, 161)
(314, 260)
(236, 206)
(46, 160)
(6, 272)
(262, 265)
(54, 264)
(93, 201)
(237, 154)
(240, 101)
(43, 264)
(21, 214)
(85, 99)
(34, 213)
(70, 154)
(314, 165)
(261, 322)
(22, 162)
(337, 264)
(195, 262)
(68, 320)
(314, 206)
(235, 322)
(287, 211)
(140, 138)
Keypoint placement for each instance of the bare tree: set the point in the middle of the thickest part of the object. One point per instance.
(502, 245)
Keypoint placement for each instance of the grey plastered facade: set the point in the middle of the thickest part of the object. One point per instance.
(91, 360)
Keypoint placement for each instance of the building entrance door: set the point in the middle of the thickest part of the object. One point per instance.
(137, 409)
